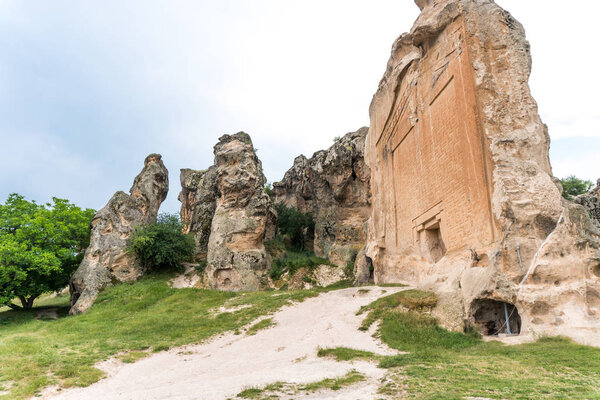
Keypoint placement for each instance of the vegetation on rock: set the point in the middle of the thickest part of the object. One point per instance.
(573, 186)
(294, 226)
(162, 245)
(40, 247)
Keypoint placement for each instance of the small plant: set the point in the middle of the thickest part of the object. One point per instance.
(573, 186)
(269, 190)
(162, 245)
(201, 267)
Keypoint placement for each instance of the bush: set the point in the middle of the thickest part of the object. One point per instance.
(162, 245)
(573, 186)
(295, 225)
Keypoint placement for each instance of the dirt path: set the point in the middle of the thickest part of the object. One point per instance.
(231, 363)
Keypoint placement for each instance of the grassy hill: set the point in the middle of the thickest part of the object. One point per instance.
(127, 320)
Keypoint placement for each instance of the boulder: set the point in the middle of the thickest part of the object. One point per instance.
(333, 185)
(106, 260)
(463, 198)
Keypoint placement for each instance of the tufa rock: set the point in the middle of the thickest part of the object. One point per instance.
(591, 201)
(230, 215)
(464, 201)
(106, 259)
(198, 199)
(423, 3)
(333, 185)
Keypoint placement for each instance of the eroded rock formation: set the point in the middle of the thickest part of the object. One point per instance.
(464, 201)
(106, 260)
(334, 186)
(591, 201)
(230, 215)
(198, 199)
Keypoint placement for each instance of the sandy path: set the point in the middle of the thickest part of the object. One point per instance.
(286, 352)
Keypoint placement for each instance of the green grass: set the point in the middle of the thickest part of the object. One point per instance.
(347, 354)
(260, 325)
(136, 319)
(409, 299)
(270, 391)
(349, 379)
(293, 261)
(452, 365)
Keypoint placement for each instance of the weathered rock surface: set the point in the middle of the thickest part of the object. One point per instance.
(591, 201)
(106, 260)
(230, 215)
(464, 201)
(333, 185)
(198, 199)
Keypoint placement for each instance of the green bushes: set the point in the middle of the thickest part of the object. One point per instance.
(573, 186)
(295, 227)
(162, 245)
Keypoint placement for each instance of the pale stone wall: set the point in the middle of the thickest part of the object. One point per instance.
(464, 201)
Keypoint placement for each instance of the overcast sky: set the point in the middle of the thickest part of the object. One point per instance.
(89, 88)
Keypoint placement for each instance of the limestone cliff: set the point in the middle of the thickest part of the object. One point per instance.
(464, 201)
(106, 260)
(230, 215)
(333, 185)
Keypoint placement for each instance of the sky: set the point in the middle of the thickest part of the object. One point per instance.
(89, 88)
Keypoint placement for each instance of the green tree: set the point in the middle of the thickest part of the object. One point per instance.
(298, 227)
(40, 247)
(573, 186)
(162, 245)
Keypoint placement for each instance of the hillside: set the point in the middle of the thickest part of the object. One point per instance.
(279, 356)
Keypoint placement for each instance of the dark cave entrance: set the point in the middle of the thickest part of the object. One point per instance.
(491, 317)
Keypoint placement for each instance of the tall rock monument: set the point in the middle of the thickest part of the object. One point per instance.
(106, 259)
(227, 210)
(464, 201)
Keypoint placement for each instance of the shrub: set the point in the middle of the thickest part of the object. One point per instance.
(162, 245)
(573, 186)
(298, 227)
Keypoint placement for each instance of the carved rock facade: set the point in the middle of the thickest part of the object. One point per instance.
(464, 201)
(106, 260)
(230, 215)
(333, 185)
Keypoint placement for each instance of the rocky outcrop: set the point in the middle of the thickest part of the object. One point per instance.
(198, 199)
(591, 201)
(464, 201)
(106, 259)
(230, 215)
(333, 185)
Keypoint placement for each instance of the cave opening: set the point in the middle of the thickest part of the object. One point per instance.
(494, 317)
